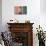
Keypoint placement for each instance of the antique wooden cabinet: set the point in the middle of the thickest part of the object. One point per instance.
(22, 33)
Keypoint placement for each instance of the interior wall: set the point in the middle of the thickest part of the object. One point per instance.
(0, 15)
(33, 14)
(43, 14)
(33, 11)
(43, 6)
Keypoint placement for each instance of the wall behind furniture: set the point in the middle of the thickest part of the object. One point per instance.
(43, 6)
(43, 14)
(33, 11)
(0, 15)
(33, 14)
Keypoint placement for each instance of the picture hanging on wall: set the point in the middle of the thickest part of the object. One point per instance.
(20, 10)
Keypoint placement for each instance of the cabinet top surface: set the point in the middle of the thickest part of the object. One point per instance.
(19, 23)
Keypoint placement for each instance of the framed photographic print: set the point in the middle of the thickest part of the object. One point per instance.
(20, 10)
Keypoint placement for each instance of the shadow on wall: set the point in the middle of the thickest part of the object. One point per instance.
(0, 23)
(0, 15)
(43, 6)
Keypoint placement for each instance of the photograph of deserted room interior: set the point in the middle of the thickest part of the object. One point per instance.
(22, 23)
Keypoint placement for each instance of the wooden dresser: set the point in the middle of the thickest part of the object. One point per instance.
(22, 33)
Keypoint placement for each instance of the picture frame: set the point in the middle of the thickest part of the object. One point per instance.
(20, 10)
